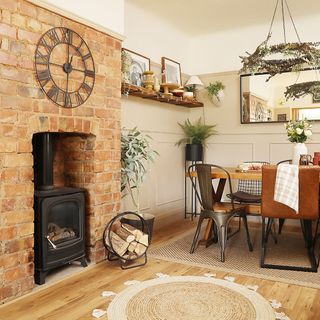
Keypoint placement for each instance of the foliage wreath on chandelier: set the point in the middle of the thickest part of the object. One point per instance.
(296, 56)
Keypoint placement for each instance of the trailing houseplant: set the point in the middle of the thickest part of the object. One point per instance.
(136, 154)
(196, 135)
(215, 90)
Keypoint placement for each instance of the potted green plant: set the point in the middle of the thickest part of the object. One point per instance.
(188, 92)
(215, 91)
(136, 154)
(195, 138)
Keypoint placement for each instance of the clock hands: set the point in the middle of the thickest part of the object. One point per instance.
(62, 66)
(67, 67)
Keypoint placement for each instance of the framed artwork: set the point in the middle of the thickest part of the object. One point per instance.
(138, 66)
(316, 98)
(171, 70)
(282, 117)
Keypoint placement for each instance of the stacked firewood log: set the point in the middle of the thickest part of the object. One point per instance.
(128, 242)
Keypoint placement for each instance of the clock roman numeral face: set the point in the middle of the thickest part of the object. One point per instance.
(79, 98)
(86, 88)
(89, 73)
(53, 93)
(67, 35)
(46, 45)
(52, 34)
(42, 58)
(67, 100)
(65, 67)
(44, 76)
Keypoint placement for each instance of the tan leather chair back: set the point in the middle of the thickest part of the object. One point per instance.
(308, 194)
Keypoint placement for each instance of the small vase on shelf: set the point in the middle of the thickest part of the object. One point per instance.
(298, 149)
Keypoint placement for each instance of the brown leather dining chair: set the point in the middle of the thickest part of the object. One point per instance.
(308, 212)
(281, 221)
(220, 212)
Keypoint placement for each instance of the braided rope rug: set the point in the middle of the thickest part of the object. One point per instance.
(290, 250)
(189, 298)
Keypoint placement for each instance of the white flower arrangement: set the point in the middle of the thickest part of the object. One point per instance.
(298, 131)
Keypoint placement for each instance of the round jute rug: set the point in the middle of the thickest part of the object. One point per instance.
(189, 298)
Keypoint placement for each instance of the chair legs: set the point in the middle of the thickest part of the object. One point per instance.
(281, 223)
(245, 221)
(222, 236)
(309, 240)
(196, 235)
(221, 224)
(270, 225)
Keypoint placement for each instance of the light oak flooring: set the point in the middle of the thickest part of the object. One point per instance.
(76, 296)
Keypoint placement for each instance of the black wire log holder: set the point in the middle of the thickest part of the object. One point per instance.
(125, 263)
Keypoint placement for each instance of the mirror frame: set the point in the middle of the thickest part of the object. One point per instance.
(241, 97)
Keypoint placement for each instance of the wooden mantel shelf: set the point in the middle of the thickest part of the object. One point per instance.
(157, 96)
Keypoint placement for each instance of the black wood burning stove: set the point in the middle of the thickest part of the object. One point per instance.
(59, 215)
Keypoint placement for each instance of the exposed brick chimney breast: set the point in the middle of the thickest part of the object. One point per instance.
(90, 139)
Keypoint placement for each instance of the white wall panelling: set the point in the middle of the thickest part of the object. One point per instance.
(170, 174)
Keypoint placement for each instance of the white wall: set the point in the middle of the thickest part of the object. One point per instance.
(151, 36)
(147, 34)
(107, 13)
(219, 52)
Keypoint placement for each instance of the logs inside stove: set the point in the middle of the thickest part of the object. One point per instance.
(59, 214)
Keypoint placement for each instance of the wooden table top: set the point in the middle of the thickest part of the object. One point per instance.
(234, 174)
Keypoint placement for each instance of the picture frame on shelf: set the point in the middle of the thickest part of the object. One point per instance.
(282, 117)
(171, 70)
(139, 65)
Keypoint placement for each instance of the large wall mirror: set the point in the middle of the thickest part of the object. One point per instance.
(263, 101)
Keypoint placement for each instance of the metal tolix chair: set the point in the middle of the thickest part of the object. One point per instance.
(220, 212)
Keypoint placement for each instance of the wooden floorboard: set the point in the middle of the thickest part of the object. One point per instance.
(76, 296)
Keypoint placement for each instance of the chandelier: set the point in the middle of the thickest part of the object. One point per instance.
(285, 57)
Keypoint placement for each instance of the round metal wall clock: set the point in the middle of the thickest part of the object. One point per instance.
(64, 67)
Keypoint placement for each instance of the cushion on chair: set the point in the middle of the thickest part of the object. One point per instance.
(308, 195)
(245, 197)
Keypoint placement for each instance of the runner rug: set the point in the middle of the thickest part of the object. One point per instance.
(290, 250)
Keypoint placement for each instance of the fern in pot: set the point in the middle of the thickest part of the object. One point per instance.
(136, 155)
(195, 138)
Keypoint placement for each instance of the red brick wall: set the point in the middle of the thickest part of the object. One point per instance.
(24, 110)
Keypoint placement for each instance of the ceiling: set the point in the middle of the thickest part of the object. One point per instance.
(207, 16)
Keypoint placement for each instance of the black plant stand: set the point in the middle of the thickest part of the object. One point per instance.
(193, 155)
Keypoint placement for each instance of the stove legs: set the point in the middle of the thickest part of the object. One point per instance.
(40, 276)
